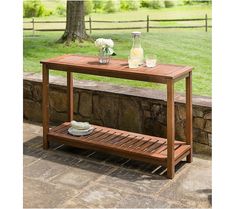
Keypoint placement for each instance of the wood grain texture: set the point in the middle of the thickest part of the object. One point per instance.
(116, 68)
(121, 142)
(45, 105)
(170, 129)
(70, 95)
(189, 117)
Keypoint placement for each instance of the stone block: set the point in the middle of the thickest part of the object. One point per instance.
(37, 92)
(137, 182)
(141, 201)
(153, 127)
(32, 110)
(27, 91)
(155, 110)
(139, 166)
(200, 136)
(75, 102)
(203, 149)
(99, 196)
(147, 114)
(105, 108)
(130, 115)
(38, 194)
(158, 113)
(85, 104)
(180, 131)
(180, 112)
(210, 139)
(58, 117)
(58, 100)
(81, 174)
(203, 139)
(145, 105)
(189, 190)
(44, 170)
(199, 123)
(197, 112)
(208, 126)
(208, 116)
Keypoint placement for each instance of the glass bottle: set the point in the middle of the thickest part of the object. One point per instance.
(136, 50)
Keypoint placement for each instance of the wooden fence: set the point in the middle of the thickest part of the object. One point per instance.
(204, 24)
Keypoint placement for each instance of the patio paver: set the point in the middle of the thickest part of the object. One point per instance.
(66, 177)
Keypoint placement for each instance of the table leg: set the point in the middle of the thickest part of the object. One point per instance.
(170, 129)
(189, 137)
(70, 95)
(45, 105)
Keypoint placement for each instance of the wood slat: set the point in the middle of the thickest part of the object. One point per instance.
(102, 137)
(112, 137)
(131, 142)
(155, 146)
(117, 138)
(181, 150)
(55, 129)
(123, 142)
(95, 134)
(139, 143)
(164, 152)
(146, 145)
(116, 68)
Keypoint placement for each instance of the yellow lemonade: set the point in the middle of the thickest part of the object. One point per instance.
(138, 53)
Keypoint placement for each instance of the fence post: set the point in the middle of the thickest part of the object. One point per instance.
(90, 24)
(33, 25)
(147, 23)
(206, 22)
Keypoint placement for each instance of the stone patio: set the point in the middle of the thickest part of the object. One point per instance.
(66, 177)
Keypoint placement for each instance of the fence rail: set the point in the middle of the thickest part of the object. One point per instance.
(147, 26)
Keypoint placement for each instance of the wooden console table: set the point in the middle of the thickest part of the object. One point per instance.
(156, 150)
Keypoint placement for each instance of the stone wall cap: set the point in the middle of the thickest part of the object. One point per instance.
(197, 100)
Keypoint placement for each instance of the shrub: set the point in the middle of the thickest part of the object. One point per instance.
(98, 5)
(144, 3)
(88, 4)
(187, 2)
(48, 12)
(112, 6)
(169, 3)
(154, 4)
(33, 8)
(130, 5)
(61, 10)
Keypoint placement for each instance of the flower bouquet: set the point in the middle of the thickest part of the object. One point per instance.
(105, 49)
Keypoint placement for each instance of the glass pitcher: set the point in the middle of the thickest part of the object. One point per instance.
(136, 50)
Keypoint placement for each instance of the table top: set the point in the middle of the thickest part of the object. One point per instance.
(116, 68)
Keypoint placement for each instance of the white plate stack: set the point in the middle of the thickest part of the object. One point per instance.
(80, 128)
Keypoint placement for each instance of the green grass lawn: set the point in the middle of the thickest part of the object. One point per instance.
(178, 46)
(185, 47)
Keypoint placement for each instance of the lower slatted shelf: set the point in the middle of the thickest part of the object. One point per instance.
(138, 146)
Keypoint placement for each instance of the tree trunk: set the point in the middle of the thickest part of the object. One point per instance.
(75, 22)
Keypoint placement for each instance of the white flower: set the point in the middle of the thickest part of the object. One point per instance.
(109, 42)
(102, 43)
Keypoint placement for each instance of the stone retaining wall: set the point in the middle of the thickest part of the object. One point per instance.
(133, 109)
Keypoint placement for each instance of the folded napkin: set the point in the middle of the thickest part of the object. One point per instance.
(77, 132)
(80, 125)
(80, 128)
